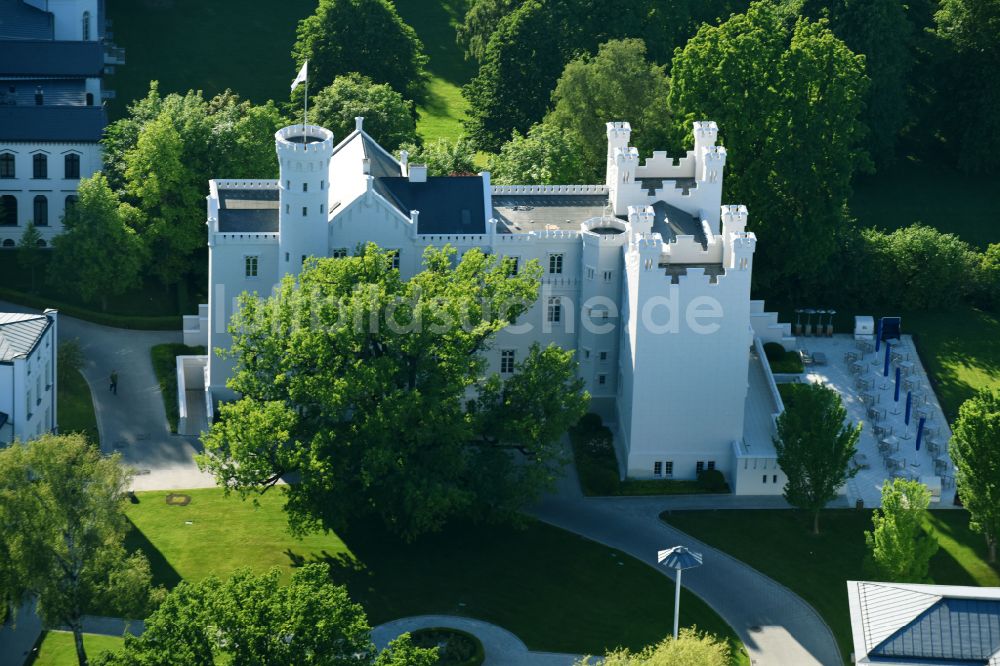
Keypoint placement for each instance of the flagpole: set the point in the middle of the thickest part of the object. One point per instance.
(305, 112)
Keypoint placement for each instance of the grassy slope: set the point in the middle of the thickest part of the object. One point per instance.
(817, 567)
(75, 407)
(556, 591)
(57, 648)
(165, 366)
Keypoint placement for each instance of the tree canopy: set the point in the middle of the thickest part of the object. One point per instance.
(787, 95)
(481, 20)
(365, 36)
(389, 118)
(691, 648)
(372, 391)
(443, 157)
(62, 533)
(29, 254)
(975, 449)
(99, 253)
(618, 83)
(254, 619)
(546, 155)
(899, 549)
(815, 445)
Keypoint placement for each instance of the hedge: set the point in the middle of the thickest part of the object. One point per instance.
(135, 322)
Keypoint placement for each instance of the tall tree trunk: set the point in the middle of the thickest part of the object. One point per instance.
(81, 654)
(816, 521)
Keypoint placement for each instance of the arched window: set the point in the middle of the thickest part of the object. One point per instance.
(41, 243)
(71, 202)
(8, 210)
(41, 211)
(7, 165)
(40, 162)
(71, 166)
(8, 242)
(86, 26)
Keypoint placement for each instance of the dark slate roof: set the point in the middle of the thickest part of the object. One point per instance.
(383, 165)
(447, 204)
(52, 123)
(19, 20)
(671, 222)
(19, 333)
(251, 211)
(51, 58)
(952, 631)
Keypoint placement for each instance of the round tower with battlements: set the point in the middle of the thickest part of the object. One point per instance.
(304, 153)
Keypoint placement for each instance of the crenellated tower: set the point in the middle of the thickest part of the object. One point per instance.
(304, 153)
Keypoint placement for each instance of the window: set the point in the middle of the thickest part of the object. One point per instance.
(40, 164)
(590, 272)
(71, 202)
(339, 253)
(555, 310)
(602, 380)
(648, 264)
(71, 166)
(586, 353)
(607, 275)
(305, 211)
(7, 165)
(305, 187)
(321, 209)
(41, 211)
(506, 361)
(700, 467)
(512, 265)
(250, 265)
(668, 468)
(8, 210)
(657, 468)
(604, 356)
(288, 184)
(86, 26)
(711, 464)
(774, 479)
(322, 184)
(90, 99)
(395, 258)
(8, 242)
(286, 257)
(764, 480)
(303, 263)
(555, 264)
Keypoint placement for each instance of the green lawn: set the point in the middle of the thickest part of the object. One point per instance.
(781, 545)
(556, 591)
(164, 358)
(934, 194)
(58, 649)
(75, 407)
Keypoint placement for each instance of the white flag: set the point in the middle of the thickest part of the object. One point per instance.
(303, 73)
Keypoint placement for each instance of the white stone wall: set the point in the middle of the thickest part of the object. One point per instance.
(28, 389)
(69, 17)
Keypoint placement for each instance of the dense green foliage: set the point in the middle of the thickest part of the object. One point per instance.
(443, 157)
(781, 360)
(479, 24)
(253, 619)
(899, 550)
(365, 36)
(787, 95)
(546, 155)
(389, 119)
(618, 83)
(455, 648)
(30, 256)
(62, 531)
(814, 446)
(690, 648)
(357, 381)
(99, 253)
(975, 449)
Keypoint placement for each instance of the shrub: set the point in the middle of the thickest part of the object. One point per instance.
(712, 481)
(774, 351)
(455, 648)
(69, 358)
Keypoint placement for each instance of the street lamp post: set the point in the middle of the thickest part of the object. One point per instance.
(678, 558)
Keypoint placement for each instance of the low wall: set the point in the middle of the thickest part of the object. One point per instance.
(190, 377)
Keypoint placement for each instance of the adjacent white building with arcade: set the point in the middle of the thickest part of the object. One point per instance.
(646, 276)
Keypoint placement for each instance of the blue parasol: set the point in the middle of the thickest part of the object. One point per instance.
(909, 404)
(885, 368)
(920, 431)
(895, 395)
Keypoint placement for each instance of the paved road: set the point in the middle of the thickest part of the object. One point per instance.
(502, 648)
(776, 625)
(133, 422)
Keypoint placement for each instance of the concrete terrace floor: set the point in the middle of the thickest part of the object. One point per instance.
(837, 374)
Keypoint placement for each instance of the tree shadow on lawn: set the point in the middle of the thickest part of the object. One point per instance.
(163, 573)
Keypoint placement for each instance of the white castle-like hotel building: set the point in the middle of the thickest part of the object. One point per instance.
(646, 277)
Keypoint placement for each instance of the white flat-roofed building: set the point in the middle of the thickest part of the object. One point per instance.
(27, 375)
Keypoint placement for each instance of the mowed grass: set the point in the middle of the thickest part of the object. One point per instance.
(781, 545)
(75, 407)
(244, 45)
(556, 591)
(58, 649)
(934, 194)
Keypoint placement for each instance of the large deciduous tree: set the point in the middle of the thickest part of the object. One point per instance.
(546, 155)
(254, 619)
(815, 446)
(479, 24)
(975, 448)
(62, 530)
(787, 95)
(372, 391)
(366, 36)
(618, 83)
(389, 118)
(899, 549)
(99, 253)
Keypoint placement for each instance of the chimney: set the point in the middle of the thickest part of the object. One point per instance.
(404, 160)
(358, 122)
(366, 166)
(417, 173)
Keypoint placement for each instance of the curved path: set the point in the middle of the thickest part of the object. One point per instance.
(502, 648)
(777, 627)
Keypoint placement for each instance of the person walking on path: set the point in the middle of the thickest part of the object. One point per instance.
(114, 382)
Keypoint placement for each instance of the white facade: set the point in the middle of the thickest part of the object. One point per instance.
(646, 276)
(28, 374)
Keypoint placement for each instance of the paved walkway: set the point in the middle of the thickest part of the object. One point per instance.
(501, 647)
(777, 627)
(133, 422)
